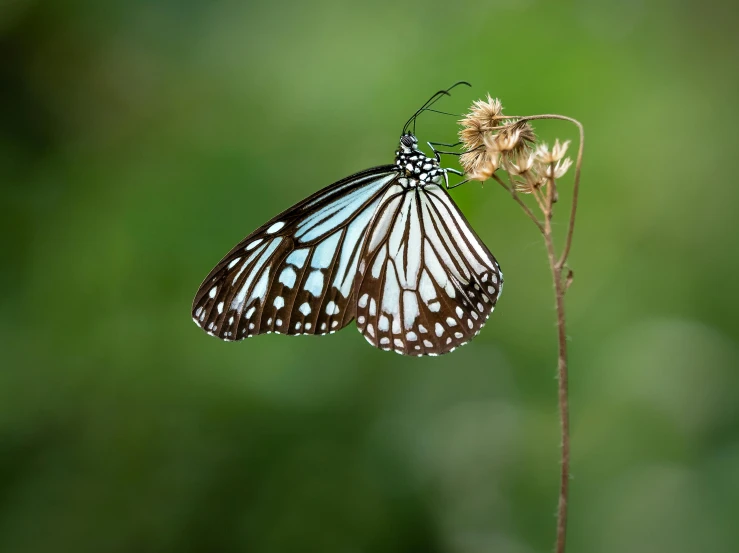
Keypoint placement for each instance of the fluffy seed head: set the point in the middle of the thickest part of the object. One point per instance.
(558, 170)
(522, 165)
(558, 151)
(480, 164)
(484, 116)
(489, 140)
(488, 112)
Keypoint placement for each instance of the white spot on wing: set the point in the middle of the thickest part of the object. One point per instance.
(253, 245)
(314, 284)
(384, 323)
(287, 277)
(324, 252)
(305, 309)
(426, 288)
(391, 293)
(274, 228)
(410, 308)
(279, 302)
(261, 287)
(379, 261)
(298, 257)
(396, 325)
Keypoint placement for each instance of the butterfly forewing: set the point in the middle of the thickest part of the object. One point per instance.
(426, 282)
(295, 274)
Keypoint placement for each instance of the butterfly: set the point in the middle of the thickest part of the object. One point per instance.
(386, 246)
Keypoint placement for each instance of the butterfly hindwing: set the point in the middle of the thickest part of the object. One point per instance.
(295, 274)
(427, 284)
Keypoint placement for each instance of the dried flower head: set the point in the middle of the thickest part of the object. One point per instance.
(553, 171)
(488, 112)
(489, 140)
(480, 164)
(519, 134)
(484, 116)
(522, 165)
(472, 133)
(557, 153)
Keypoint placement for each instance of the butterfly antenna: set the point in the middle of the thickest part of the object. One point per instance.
(431, 101)
(443, 112)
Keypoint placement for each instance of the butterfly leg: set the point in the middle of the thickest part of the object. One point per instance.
(446, 178)
(437, 153)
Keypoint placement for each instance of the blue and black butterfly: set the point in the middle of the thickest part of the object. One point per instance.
(386, 246)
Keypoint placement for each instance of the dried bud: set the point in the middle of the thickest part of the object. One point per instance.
(557, 153)
(522, 165)
(480, 164)
(471, 134)
(557, 171)
(508, 139)
(487, 112)
(483, 117)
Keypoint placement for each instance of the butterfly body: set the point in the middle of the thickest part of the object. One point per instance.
(418, 168)
(386, 246)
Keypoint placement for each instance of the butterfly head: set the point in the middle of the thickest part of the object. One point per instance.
(408, 143)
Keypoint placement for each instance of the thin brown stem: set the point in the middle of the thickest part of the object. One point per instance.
(562, 394)
(515, 196)
(564, 410)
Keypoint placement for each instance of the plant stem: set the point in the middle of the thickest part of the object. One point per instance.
(564, 409)
(512, 191)
(564, 416)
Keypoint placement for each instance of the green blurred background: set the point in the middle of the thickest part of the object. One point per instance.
(140, 140)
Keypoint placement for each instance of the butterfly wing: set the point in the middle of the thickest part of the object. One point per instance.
(295, 274)
(426, 282)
